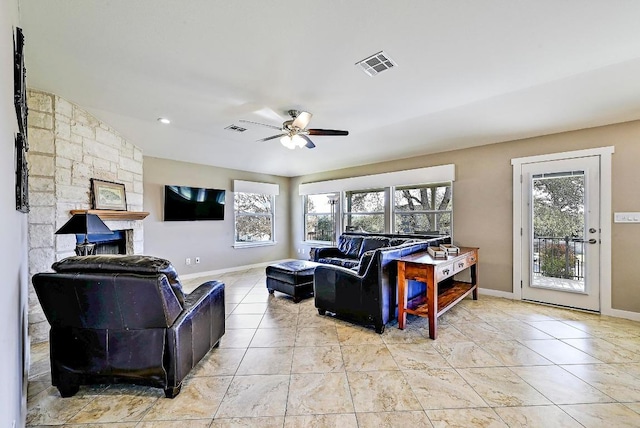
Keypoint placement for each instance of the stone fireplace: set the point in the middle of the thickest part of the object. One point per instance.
(109, 244)
(127, 237)
(68, 147)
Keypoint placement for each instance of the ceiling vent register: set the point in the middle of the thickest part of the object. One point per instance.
(376, 63)
(235, 128)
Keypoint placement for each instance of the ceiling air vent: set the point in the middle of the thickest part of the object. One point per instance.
(235, 128)
(376, 63)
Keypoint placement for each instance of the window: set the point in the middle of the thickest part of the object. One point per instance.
(318, 217)
(423, 209)
(392, 203)
(253, 218)
(364, 211)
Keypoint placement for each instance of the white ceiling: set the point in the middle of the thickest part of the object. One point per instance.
(469, 73)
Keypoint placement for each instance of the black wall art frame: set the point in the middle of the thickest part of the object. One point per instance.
(20, 101)
(22, 175)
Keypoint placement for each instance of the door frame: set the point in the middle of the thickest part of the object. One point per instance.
(605, 219)
(588, 298)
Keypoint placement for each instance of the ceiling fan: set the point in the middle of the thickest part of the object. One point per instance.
(294, 132)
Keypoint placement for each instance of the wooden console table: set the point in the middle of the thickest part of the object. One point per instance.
(439, 297)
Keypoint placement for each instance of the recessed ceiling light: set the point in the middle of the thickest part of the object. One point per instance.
(164, 120)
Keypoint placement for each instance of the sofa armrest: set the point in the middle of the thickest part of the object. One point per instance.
(195, 298)
(318, 253)
(197, 329)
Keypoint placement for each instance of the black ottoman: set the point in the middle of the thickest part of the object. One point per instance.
(294, 278)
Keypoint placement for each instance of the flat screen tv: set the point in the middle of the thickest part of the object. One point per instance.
(184, 203)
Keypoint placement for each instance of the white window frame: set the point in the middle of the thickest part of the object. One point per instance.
(384, 181)
(345, 214)
(395, 212)
(264, 189)
(237, 215)
(305, 201)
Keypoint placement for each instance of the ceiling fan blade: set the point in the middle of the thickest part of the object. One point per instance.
(327, 132)
(302, 120)
(261, 124)
(309, 144)
(273, 137)
(269, 114)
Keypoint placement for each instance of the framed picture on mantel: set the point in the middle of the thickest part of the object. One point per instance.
(106, 195)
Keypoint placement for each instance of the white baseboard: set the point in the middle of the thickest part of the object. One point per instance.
(496, 293)
(232, 269)
(618, 313)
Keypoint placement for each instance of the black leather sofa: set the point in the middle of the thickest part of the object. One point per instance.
(357, 279)
(125, 319)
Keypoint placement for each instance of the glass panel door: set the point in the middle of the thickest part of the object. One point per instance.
(561, 233)
(558, 231)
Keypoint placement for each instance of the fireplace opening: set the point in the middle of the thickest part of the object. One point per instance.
(115, 243)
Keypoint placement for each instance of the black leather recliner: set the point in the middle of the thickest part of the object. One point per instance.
(368, 295)
(125, 319)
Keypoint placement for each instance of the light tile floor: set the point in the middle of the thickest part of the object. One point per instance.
(496, 363)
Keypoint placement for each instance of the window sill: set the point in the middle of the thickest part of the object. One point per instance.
(320, 243)
(253, 244)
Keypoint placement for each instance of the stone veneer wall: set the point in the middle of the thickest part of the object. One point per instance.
(68, 147)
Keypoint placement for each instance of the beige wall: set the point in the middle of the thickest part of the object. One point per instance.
(212, 241)
(13, 245)
(483, 200)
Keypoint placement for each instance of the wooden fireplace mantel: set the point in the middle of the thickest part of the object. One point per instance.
(114, 215)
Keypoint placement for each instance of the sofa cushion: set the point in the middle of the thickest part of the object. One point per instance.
(115, 263)
(338, 261)
(373, 243)
(350, 245)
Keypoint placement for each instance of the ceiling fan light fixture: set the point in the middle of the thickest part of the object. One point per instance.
(287, 141)
(294, 133)
(298, 141)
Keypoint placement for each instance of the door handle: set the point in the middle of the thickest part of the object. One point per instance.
(590, 241)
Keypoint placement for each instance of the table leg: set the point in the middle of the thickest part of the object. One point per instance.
(432, 305)
(402, 296)
(474, 281)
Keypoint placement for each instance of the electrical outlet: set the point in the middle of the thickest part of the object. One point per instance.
(197, 260)
(187, 261)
